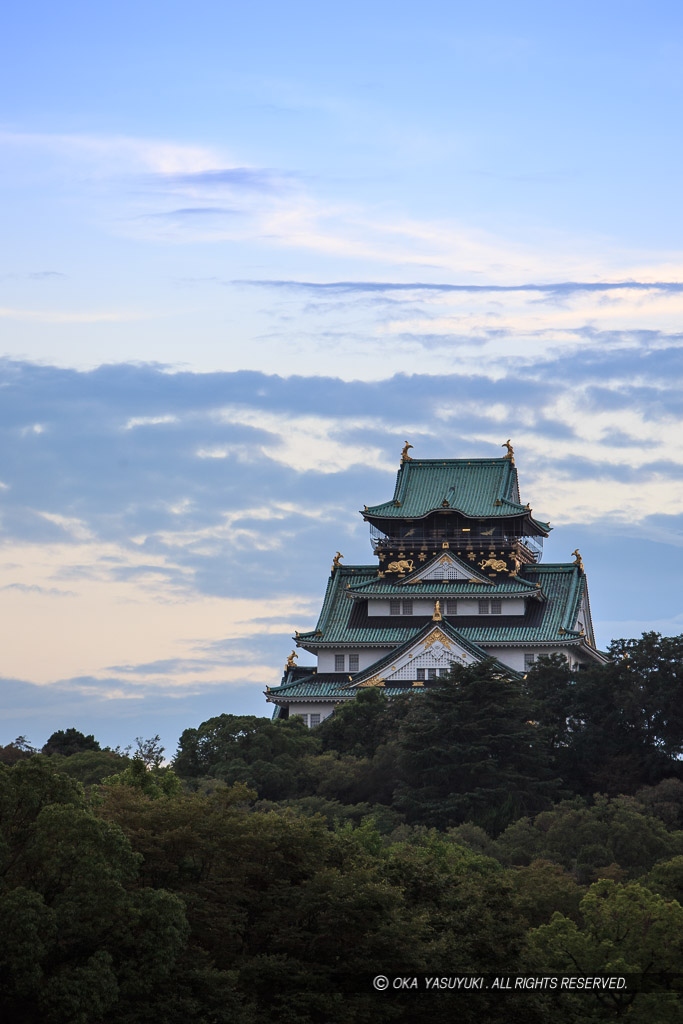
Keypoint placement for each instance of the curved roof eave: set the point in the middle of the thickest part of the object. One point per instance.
(372, 514)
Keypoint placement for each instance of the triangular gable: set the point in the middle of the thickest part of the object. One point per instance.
(446, 567)
(437, 646)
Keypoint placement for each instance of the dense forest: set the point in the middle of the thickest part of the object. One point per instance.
(483, 827)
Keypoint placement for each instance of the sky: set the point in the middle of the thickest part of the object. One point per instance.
(249, 251)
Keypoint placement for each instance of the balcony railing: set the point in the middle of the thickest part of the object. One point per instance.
(529, 548)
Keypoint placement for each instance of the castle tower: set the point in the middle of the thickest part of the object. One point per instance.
(457, 578)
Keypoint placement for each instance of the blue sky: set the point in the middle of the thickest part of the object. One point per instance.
(248, 252)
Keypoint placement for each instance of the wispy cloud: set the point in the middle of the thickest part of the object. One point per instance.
(126, 183)
(34, 275)
(252, 179)
(551, 288)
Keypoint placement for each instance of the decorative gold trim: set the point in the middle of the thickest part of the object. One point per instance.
(437, 635)
(437, 616)
(404, 453)
(291, 660)
(497, 564)
(375, 681)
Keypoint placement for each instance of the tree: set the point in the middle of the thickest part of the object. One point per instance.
(150, 779)
(150, 751)
(471, 750)
(618, 726)
(587, 840)
(18, 750)
(90, 767)
(543, 888)
(81, 941)
(68, 742)
(268, 756)
(623, 930)
(361, 726)
(666, 878)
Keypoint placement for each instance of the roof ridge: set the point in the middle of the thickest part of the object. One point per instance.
(549, 566)
(412, 461)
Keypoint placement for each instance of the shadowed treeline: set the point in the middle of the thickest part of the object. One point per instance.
(271, 871)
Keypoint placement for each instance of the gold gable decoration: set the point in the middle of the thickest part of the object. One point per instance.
(437, 636)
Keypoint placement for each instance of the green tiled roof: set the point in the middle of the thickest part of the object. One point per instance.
(333, 686)
(480, 488)
(344, 622)
(507, 587)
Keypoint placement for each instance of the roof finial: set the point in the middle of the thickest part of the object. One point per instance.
(437, 616)
(291, 660)
(511, 452)
(578, 560)
(336, 561)
(404, 454)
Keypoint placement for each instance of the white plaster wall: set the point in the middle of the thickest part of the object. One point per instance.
(366, 657)
(514, 656)
(511, 606)
(316, 708)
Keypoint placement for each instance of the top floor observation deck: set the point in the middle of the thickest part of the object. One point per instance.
(415, 537)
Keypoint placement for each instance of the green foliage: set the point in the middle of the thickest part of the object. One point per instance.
(623, 929)
(79, 939)
(18, 750)
(364, 724)
(665, 801)
(89, 767)
(150, 751)
(666, 879)
(153, 781)
(619, 726)
(291, 863)
(542, 889)
(335, 813)
(587, 840)
(469, 750)
(68, 742)
(269, 756)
